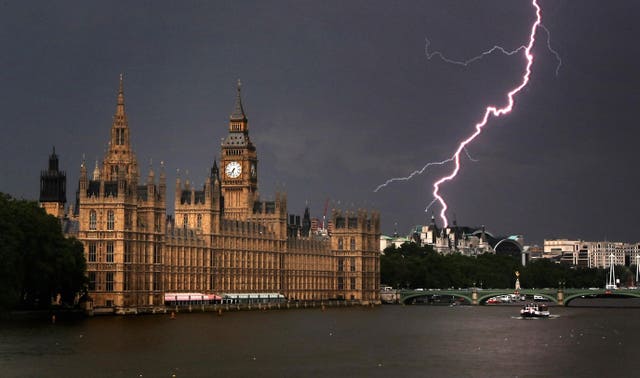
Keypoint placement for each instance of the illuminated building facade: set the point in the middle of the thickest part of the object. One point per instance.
(223, 238)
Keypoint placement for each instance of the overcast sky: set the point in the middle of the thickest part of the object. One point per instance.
(340, 97)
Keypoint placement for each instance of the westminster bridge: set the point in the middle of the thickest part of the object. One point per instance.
(477, 296)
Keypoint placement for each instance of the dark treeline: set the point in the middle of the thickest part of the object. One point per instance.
(37, 263)
(412, 266)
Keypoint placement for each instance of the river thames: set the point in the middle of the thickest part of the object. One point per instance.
(386, 341)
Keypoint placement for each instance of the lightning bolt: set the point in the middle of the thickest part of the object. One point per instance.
(420, 171)
(491, 110)
(465, 63)
(554, 52)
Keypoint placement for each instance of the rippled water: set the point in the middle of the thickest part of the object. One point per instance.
(388, 341)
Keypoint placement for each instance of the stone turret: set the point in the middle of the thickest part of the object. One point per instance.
(53, 188)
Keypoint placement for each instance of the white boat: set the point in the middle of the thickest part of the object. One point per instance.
(534, 310)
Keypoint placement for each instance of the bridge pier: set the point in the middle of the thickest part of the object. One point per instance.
(474, 296)
(560, 296)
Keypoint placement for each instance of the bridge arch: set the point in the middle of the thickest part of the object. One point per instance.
(409, 298)
(482, 299)
(600, 294)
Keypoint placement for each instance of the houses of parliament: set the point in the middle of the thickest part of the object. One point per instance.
(223, 237)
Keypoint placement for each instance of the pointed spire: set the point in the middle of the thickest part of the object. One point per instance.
(96, 172)
(238, 112)
(120, 107)
(151, 173)
(214, 169)
(53, 161)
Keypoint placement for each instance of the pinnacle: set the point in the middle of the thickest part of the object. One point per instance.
(238, 112)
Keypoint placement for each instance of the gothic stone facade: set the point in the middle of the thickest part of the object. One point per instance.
(223, 238)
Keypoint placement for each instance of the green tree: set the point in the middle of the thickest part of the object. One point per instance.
(36, 261)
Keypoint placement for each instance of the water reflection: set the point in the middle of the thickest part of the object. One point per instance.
(414, 341)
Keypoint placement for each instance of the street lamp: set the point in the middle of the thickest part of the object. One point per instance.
(611, 281)
(637, 269)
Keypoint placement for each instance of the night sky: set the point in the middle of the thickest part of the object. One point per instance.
(340, 97)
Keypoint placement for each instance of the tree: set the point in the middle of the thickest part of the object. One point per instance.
(36, 261)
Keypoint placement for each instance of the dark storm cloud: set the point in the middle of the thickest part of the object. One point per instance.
(340, 97)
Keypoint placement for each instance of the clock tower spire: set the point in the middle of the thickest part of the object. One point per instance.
(239, 164)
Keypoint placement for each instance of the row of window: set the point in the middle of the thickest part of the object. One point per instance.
(352, 283)
(92, 255)
(109, 281)
(185, 221)
(93, 220)
(352, 244)
(352, 265)
(111, 221)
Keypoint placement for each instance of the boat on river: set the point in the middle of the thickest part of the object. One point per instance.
(534, 310)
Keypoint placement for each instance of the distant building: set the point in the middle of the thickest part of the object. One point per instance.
(470, 241)
(591, 254)
(385, 241)
(534, 251)
(555, 248)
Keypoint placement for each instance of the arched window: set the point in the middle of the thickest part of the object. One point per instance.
(93, 218)
(110, 220)
(199, 221)
(352, 244)
(340, 244)
(185, 221)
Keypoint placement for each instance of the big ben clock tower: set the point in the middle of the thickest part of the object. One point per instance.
(239, 164)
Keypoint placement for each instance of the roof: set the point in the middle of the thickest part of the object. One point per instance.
(235, 139)
(238, 111)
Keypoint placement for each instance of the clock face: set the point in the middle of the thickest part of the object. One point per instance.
(233, 169)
